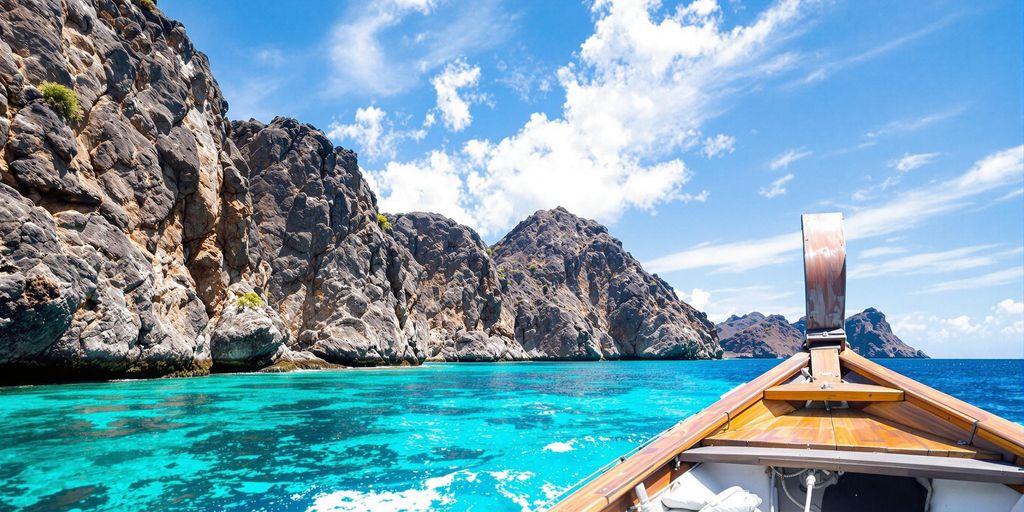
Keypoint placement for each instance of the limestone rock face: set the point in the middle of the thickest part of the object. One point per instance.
(578, 294)
(755, 335)
(247, 337)
(870, 335)
(460, 292)
(123, 230)
(344, 288)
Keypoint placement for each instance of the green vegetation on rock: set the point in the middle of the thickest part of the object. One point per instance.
(383, 222)
(249, 300)
(62, 99)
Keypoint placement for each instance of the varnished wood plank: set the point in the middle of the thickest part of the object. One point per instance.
(858, 431)
(1003, 433)
(807, 428)
(825, 365)
(762, 410)
(620, 480)
(842, 391)
(824, 272)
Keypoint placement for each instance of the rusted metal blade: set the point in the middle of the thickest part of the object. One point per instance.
(825, 278)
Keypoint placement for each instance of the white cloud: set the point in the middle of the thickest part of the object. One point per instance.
(372, 132)
(827, 69)
(863, 194)
(1010, 307)
(453, 107)
(782, 161)
(432, 185)
(722, 303)
(914, 124)
(644, 83)
(272, 57)
(697, 298)
(998, 334)
(777, 187)
(373, 52)
(909, 162)
(719, 145)
(904, 211)
(876, 252)
(1001, 277)
(933, 262)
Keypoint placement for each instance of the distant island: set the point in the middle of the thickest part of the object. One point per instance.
(755, 335)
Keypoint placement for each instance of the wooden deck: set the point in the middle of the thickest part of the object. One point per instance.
(843, 429)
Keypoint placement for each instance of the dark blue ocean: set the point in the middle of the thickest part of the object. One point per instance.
(482, 437)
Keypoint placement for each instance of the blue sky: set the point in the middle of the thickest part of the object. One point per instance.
(698, 132)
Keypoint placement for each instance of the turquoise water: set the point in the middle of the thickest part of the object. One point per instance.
(482, 437)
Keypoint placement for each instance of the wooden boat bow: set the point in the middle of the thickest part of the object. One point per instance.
(821, 401)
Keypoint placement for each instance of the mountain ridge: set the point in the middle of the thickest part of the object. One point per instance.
(755, 335)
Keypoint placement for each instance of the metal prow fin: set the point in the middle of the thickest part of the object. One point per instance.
(824, 280)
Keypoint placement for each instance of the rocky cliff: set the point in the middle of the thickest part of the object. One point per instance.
(344, 288)
(126, 226)
(870, 335)
(754, 335)
(577, 294)
(460, 290)
(144, 234)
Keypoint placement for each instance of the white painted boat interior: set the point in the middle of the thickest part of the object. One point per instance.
(710, 478)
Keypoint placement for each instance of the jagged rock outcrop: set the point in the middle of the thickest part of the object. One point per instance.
(460, 292)
(755, 335)
(578, 294)
(122, 230)
(870, 335)
(345, 289)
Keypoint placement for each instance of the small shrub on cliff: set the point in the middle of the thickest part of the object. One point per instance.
(149, 5)
(383, 222)
(62, 99)
(249, 300)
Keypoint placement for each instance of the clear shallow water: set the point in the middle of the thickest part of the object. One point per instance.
(482, 437)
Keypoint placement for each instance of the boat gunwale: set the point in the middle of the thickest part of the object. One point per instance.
(615, 484)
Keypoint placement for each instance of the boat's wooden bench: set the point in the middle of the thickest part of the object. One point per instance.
(833, 392)
(892, 464)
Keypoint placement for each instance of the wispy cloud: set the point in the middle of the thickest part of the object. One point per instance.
(901, 126)
(383, 48)
(830, 68)
(776, 188)
(877, 252)
(909, 162)
(1001, 277)
(953, 260)
(863, 194)
(782, 161)
(905, 211)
